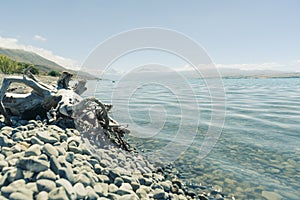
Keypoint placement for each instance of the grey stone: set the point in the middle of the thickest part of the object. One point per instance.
(130, 197)
(142, 194)
(145, 181)
(113, 174)
(113, 196)
(63, 137)
(50, 150)
(48, 174)
(101, 189)
(19, 196)
(58, 194)
(35, 140)
(3, 164)
(70, 157)
(32, 186)
(156, 186)
(112, 188)
(68, 187)
(118, 181)
(45, 137)
(54, 164)
(5, 141)
(18, 137)
(92, 195)
(66, 173)
(166, 185)
(6, 151)
(159, 194)
(32, 164)
(75, 149)
(97, 169)
(33, 150)
(42, 195)
(85, 179)
(45, 185)
(271, 195)
(43, 157)
(80, 190)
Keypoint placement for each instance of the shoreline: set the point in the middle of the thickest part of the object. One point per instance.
(40, 161)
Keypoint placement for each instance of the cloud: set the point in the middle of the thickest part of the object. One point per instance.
(13, 43)
(39, 38)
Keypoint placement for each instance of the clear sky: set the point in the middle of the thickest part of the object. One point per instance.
(254, 34)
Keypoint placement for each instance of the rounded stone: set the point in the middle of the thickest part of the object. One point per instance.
(58, 193)
(48, 174)
(33, 150)
(68, 187)
(50, 150)
(80, 190)
(45, 185)
(42, 195)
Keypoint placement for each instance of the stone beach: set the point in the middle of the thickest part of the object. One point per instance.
(40, 161)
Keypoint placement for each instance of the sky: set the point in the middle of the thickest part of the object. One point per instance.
(256, 34)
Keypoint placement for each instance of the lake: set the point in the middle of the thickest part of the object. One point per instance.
(257, 156)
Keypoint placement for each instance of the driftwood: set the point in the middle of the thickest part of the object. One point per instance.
(63, 106)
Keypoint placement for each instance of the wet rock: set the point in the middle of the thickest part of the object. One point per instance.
(271, 195)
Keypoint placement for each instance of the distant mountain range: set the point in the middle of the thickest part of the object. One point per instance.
(44, 65)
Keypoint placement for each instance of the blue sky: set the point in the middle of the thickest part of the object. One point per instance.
(258, 34)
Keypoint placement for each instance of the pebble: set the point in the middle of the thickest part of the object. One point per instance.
(58, 194)
(33, 150)
(48, 174)
(68, 187)
(50, 150)
(101, 189)
(45, 185)
(50, 163)
(42, 195)
(159, 194)
(271, 195)
(80, 190)
(32, 164)
(45, 137)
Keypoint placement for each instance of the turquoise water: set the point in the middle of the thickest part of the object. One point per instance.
(258, 152)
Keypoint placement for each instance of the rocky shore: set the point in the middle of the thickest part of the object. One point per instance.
(40, 161)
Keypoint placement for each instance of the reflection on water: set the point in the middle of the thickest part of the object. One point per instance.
(258, 153)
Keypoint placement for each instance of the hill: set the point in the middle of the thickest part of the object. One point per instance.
(44, 65)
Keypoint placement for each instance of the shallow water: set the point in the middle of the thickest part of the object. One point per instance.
(258, 150)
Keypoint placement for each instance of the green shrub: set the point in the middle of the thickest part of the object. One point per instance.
(53, 73)
(7, 66)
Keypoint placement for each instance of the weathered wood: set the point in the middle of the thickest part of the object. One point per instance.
(62, 106)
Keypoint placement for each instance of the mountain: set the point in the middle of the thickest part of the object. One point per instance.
(44, 65)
